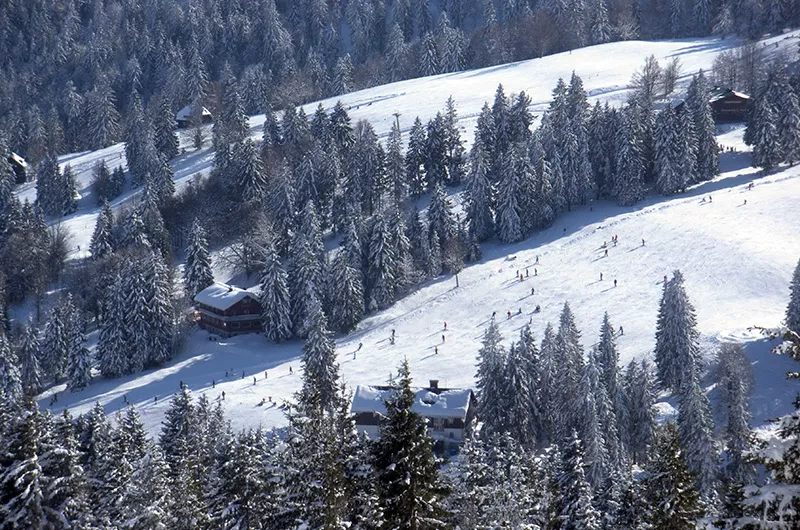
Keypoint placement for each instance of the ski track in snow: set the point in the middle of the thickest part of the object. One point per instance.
(737, 259)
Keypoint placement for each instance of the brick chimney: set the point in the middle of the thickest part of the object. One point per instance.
(434, 384)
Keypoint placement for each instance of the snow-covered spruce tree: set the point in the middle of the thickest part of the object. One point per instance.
(569, 355)
(736, 381)
(197, 272)
(669, 485)
(762, 126)
(48, 194)
(576, 508)
(395, 166)
(607, 358)
(252, 181)
(55, 344)
(669, 178)
(677, 351)
(152, 222)
(21, 477)
(435, 151)
(591, 427)
(304, 277)
(415, 159)
(346, 293)
(547, 388)
(686, 148)
(453, 146)
(699, 107)
(102, 245)
(343, 76)
(628, 180)
(113, 349)
(101, 118)
(512, 484)
(520, 396)
(793, 309)
(80, 364)
(275, 301)
(29, 353)
(160, 311)
(640, 400)
(321, 371)
(509, 223)
(789, 123)
(471, 494)
(428, 61)
(10, 378)
(440, 215)
(380, 277)
(409, 487)
(179, 442)
(479, 193)
(490, 382)
(65, 487)
(232, 119)
(164, 126)
(66, 184)
(696, 430)
(281, 203)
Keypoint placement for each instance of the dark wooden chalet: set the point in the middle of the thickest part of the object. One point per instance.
(184, 116)
(228, 310)
(20, 167)
(449, 411)
(726, 104)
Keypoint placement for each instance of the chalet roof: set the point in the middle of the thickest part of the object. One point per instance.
(717, 93)
(223, 297)
(429, 402)
(18, 160)
(185, 113)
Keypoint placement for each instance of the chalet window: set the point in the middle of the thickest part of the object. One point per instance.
(437, 424)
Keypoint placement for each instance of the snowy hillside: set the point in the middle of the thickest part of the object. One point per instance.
(737, 259)
(604, 80)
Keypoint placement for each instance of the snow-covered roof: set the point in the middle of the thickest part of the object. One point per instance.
(18, 159)
(186, 113)
(718, 93)
(221, 296)
(445, 403)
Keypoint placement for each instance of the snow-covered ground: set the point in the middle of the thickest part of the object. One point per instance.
(737, 259)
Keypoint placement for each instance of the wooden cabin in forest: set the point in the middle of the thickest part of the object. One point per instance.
(184, 116)
(228, 310)
(20, 167)
(726, 104)
(450, 412)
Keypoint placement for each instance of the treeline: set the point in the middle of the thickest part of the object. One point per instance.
(70, 70)
(773, 126)
(556, 448)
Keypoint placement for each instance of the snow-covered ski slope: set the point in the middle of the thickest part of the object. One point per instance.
(737, 260)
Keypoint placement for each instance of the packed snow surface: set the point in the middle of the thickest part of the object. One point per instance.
(736, 258)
